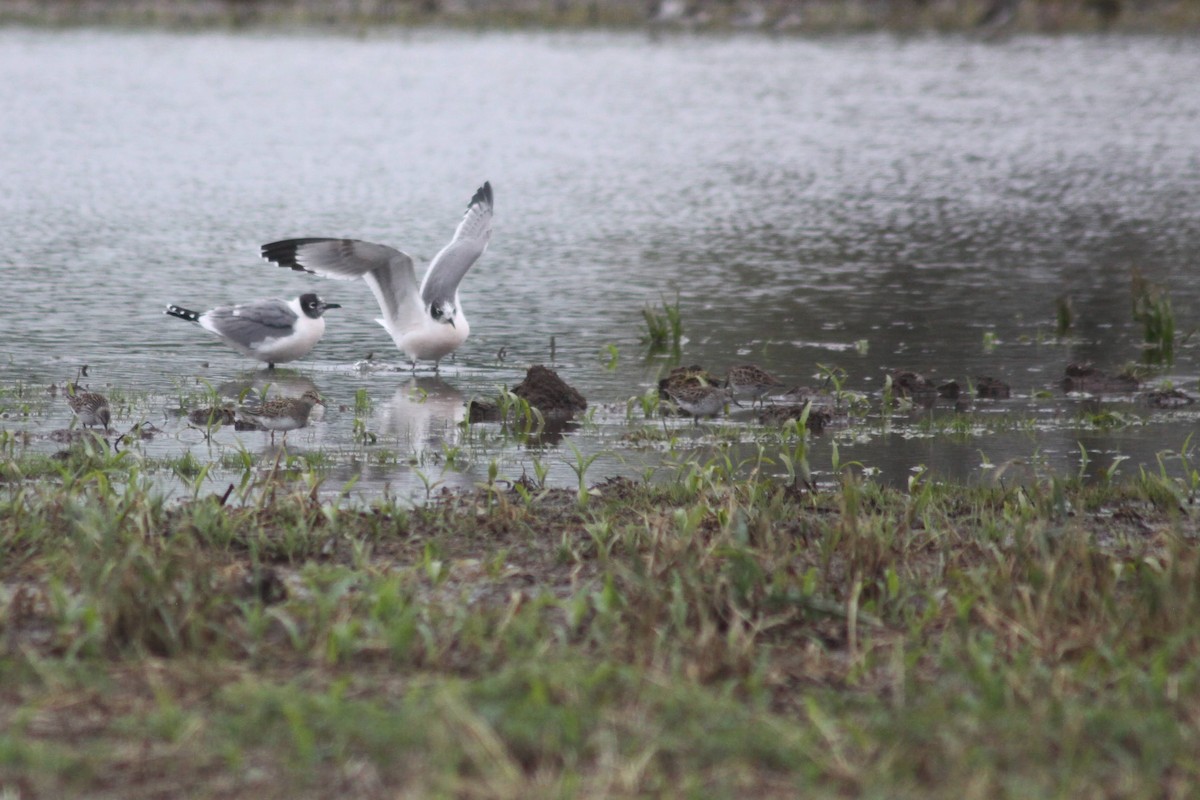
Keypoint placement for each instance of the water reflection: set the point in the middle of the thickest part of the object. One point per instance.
(423, 414)
(266, 383)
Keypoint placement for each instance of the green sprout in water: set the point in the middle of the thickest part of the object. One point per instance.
(662, 325)
(580, 468)
(517, 413)
(1064, 315)
(1152, 308)
(612, 354)
(362, 403)
(833, 378)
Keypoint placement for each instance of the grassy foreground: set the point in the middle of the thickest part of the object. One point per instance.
(707, 637)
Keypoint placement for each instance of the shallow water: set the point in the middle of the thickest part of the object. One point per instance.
(869, 203)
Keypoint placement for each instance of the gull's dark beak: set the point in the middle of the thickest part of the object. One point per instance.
(327, 306)
(451, 321)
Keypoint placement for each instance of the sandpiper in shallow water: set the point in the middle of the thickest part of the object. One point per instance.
(275, 331)
(91, 408)
(426, 322)
(283, 413)
(700, 401)
(751, 380)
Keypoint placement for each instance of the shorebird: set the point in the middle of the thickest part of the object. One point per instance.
(283, 413)
(91, 408)
(274, 331)
(700, 401)
(750, 380)
(425, 321)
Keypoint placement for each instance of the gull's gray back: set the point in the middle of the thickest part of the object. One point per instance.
(250, 323)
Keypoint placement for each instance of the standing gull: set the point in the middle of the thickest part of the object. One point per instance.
(274, 331)
(426, 322)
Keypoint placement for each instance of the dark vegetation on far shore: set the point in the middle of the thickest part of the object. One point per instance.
(987, 18)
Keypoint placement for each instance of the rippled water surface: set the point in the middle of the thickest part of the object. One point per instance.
(867, 203)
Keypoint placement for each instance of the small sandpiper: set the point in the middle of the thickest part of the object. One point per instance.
(677, 378)
(750, 380)
(90, 407)
(283, 413)
(700, 401)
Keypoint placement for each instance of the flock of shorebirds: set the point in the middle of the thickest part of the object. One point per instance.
(701, 394)
(425, 320)
(688, 389)
(277, 414)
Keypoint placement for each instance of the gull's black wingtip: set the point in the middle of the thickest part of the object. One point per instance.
(183, 313)
(483, 195)
(283, 252)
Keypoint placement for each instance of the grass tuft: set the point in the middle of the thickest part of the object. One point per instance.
(1152, 310)
(664, 327)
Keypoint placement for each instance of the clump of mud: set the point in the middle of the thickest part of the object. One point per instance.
(949, 390)
(550, 394)
(992, 388)
(553, 397)
(75, 435)
(1169, 398)
(914, 385)
(481, 409)
(819, 417)
(1086, 378)
(213, 416)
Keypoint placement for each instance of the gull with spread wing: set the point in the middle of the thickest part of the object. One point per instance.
(426, 322)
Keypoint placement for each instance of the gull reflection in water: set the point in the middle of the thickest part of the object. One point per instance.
(272, 383)
(423, 415)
